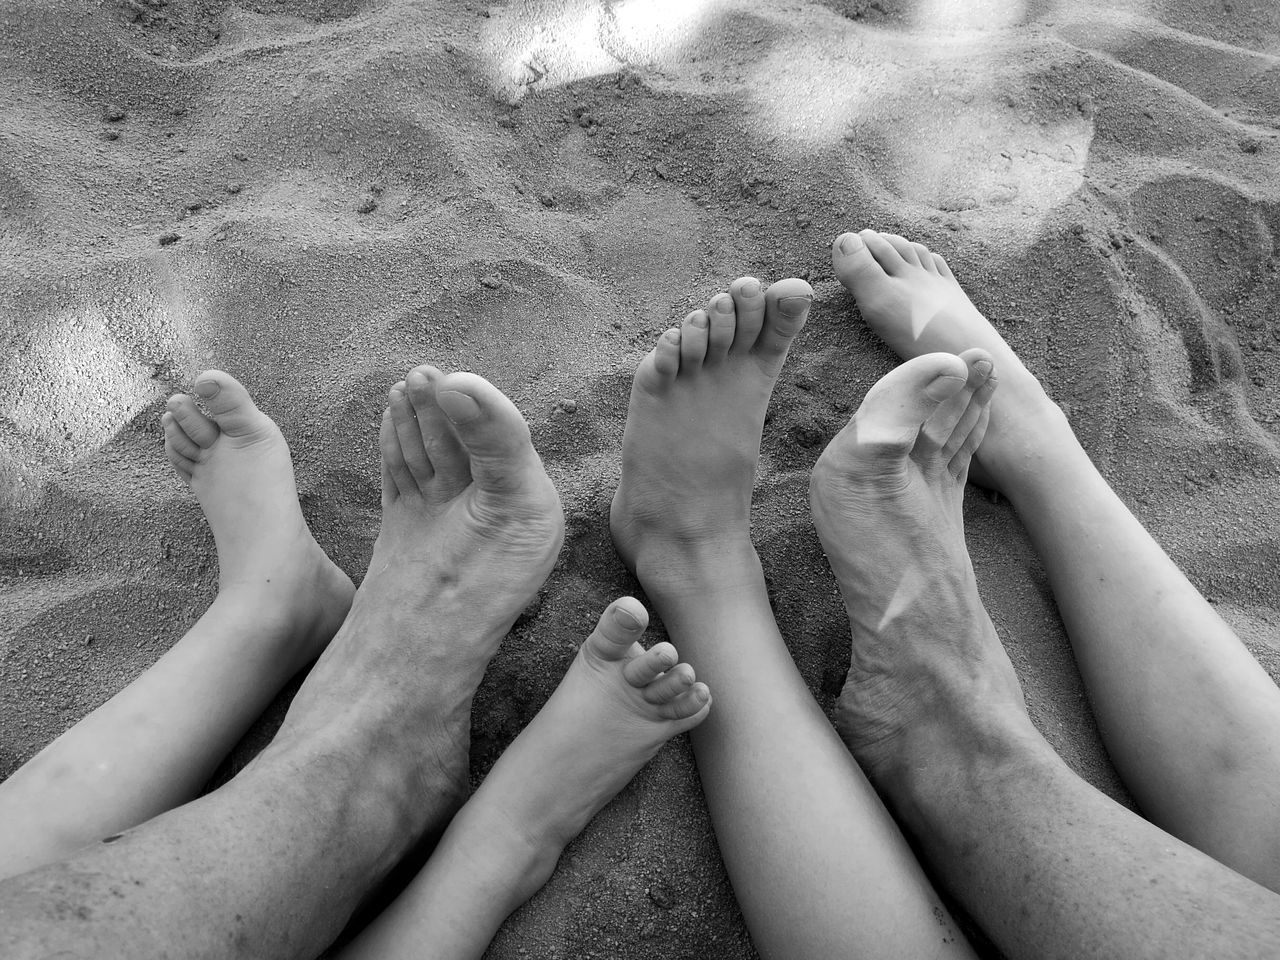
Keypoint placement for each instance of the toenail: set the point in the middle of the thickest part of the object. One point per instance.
(457, 406)
(724, 302)
(750, 289)
(698, 319)
(794, 306)
(983, 367)
(850, 243)
(625, 619)
(207, 388)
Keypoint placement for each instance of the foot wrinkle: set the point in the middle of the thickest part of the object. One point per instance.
(890, 520)
(448, 577)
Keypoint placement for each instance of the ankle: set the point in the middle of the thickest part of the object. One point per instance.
(1028, 437)
(944, 769)
(673, 569)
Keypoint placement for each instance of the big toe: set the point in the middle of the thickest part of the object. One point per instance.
(897, 405)
(621, 626)
(786, 309)
(490, 429)
(856, 266)
(230, 405)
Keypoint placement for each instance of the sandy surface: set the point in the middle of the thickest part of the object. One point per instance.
(317, 195)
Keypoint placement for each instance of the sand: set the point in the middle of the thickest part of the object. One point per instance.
(318, 195)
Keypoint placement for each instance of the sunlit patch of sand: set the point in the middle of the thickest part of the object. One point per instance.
(555, 42)
(72, 387)
(936, 108)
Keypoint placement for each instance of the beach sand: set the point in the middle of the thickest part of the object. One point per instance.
(316, 196)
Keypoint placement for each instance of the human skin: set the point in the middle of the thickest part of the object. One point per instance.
(373, 752)
(817, 865)
(1049, 866)
(1187, 714)
(616, 707)
(280, 600)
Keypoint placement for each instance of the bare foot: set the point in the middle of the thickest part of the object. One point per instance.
(471, 527)
(908, 296)
(693, 429)
(886, 497)
(237, 464)
(615, 708)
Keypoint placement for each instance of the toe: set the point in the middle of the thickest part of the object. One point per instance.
(408, 436)
(177, 439)
(941, 266)
(963, 459)
(187, 417)
(924, 256)
(620, 627)
(787, 308)
(720, 312)
(659, 368)
(693, 341)
(937, 431)
(971, 428)
(898, 404)
(178, 448)
(181, 465)
(694, 704)
(229, 403)
(749, 309)
(490, 429)
(651, 664)
(862, 259)
(397, 481)
(671, 684)
(448, 459)
(905, 248)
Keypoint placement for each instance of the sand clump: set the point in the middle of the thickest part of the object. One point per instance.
(317, 196)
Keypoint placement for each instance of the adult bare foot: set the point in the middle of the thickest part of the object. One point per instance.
(909, 297)
(927, 667)
(237, 464)
(693, 429)
(471, 527)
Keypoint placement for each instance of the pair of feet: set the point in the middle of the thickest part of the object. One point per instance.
(928, 680)
(472, 524)
(471, 528)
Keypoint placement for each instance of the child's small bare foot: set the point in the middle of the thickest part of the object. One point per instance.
(694, 423)
(927, 666)
(615, 708)
(237, 464)
(909, 297)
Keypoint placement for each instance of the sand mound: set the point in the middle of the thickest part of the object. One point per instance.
(316, 196)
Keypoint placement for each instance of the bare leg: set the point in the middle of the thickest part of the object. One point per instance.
(1048, 865)
(818, 866)
(280, 600)
(613, 711)
(373, 752)
(1187, 714)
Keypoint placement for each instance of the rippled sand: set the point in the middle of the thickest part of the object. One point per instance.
(317, 196)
